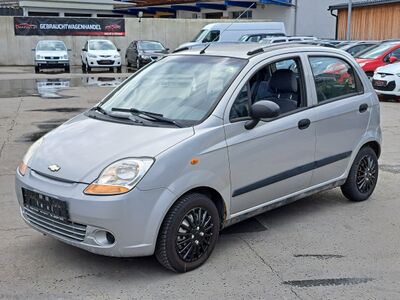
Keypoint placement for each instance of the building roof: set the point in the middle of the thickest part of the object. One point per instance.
(362, 3)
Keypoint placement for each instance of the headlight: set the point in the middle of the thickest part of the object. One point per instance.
(398, 74)
(116, 56)
(362, 64)
(65, 56)
(120, 177)
(145, 57)
(92, 55)
(39, 57)
(23, 166)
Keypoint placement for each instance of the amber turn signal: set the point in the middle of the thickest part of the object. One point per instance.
(22, 168)
(96, 189)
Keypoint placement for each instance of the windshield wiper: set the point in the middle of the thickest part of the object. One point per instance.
(103, 111)
(99, 109)
(153, 116)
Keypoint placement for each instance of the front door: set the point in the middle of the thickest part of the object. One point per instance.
(275, 158)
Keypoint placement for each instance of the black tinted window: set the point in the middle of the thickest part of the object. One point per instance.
(334, 78)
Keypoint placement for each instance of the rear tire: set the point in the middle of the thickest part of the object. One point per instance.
(119, 70)
(188, 233)
(363, 176)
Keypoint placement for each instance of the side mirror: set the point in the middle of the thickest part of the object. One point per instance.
(83, 49)
(69, 49)
(263, 109)
(392, 59)
(166, 49)
(118, 49)
(33, 49)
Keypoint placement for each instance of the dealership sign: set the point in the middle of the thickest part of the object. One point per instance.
(69, 26)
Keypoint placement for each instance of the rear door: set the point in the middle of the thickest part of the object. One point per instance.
(342, 114)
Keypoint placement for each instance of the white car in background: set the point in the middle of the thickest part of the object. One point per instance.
(100, 54)
(386, 80)
(51, 54)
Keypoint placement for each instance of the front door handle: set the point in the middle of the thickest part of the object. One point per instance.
(363, 108)
(304, 124)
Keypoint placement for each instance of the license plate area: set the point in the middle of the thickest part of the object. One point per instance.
(45, 205)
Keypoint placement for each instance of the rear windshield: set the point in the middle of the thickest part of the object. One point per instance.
(182, 88)
(51, 46)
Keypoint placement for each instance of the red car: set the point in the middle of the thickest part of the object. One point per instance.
(379, 56)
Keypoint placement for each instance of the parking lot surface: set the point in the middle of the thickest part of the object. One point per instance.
(321, 247)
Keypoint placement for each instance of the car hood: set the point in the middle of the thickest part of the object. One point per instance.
(390, 69)
(83, 146)
(51, 53)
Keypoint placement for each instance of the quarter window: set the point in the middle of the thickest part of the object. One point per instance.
(334, 78)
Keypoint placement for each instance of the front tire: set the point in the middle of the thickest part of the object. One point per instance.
(188, 234)
(37, 70)
(363, 176)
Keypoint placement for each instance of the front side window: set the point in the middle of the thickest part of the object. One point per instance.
(101, 45)
(281, 82)
(394, 53)
(182, 88)
(51, 46)
(334, 78)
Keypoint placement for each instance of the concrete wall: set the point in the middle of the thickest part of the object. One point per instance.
(16, 50)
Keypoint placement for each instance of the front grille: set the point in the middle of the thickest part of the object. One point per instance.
(390, 86)
(105, 62)
(50, 57)
(66, 229)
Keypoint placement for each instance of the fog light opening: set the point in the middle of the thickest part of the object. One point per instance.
(110, 238)
(104, 238)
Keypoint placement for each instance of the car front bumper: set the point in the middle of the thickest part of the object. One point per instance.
(104, 62)
(50, 64)
(133, 218)
(391, 86)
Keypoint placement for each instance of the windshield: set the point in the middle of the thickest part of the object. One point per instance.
(181, 88)
(200, 35)
(101, 45)
(51, 46)
(151, 46)
(376, 52)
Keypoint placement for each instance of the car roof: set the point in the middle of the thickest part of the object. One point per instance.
(248, 50)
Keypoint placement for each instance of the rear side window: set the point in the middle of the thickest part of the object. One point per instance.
(334, 78)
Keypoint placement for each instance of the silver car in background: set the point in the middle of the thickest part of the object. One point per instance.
(51, 54)
(198, 141)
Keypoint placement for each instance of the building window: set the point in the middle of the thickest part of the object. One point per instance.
(42, 14)
(216, 15)
(247, 15)
(77, 15)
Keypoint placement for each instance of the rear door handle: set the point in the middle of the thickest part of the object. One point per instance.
(363, 108)
(304, 124)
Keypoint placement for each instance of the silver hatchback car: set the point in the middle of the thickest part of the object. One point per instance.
(200, 140)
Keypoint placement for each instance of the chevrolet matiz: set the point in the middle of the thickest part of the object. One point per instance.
(200, 140)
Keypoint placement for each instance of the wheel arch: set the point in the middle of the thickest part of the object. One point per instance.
(215, 197)
(374, 145)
